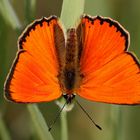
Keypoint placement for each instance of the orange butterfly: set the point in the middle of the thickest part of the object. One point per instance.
(91, 60)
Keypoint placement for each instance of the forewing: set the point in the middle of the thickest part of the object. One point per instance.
(110, 73)
(33, 76)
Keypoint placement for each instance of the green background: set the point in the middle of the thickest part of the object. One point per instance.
(118, 122)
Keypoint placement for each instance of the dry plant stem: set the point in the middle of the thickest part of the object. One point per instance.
(39, 122)
(64, 127)
(70, 14)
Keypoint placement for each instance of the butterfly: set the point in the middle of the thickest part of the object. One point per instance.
(91, 60)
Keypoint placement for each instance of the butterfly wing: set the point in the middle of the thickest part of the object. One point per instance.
(33, 76)
(110, 73)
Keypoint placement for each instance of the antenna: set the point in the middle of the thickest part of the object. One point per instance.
(57, 116)
(88, 115)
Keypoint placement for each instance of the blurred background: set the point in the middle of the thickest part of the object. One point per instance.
(118, 122)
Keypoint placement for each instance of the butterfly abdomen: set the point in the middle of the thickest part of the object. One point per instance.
(70, 71)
